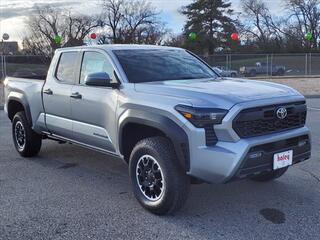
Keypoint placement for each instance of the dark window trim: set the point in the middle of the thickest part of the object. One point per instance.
(57, 66)
(79, 76)
(81, 62)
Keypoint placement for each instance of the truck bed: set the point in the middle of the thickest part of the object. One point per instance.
(28, 90)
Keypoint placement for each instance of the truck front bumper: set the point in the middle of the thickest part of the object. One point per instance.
(228, 161)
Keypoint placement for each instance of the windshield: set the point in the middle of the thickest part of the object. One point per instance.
(152, 65)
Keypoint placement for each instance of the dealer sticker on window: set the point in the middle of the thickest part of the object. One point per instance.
(283, 159)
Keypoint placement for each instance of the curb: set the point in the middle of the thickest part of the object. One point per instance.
(312, 96)
(283, 77)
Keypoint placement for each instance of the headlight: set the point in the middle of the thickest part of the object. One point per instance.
(202, 117)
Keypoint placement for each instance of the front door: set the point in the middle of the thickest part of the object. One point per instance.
(93, 108)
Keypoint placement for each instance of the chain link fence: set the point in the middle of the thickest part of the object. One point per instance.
(35, 67)
(252, 65)
(25, 66)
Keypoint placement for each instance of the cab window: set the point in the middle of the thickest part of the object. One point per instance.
(94, 62)
(66, 67)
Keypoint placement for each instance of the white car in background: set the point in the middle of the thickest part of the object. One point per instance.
(225, 73)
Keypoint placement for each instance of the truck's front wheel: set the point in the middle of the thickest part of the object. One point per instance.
(159, 183)
(26, 141)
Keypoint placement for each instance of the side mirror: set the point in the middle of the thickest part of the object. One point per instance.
(100, 79)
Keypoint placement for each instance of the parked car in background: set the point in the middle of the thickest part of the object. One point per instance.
(262, 68)
(225, 73)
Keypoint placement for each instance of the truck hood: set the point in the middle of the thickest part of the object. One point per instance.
(221, 92)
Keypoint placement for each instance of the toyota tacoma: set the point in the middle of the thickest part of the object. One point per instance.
(166, 113)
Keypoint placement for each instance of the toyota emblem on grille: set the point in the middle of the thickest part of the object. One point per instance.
(282, 113)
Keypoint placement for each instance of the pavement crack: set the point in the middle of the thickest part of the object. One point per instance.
(68, 165)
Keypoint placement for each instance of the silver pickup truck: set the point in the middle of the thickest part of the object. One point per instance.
(166, 113)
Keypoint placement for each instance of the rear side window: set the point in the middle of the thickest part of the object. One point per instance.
(66, 67)
(94, 62)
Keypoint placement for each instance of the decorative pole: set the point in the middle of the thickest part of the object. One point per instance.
(5, 37)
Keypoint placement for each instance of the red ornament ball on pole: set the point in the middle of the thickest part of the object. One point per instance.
(234, 36)
(93, 36)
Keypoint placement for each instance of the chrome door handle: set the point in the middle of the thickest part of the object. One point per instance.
(76, 95)
(48, 91)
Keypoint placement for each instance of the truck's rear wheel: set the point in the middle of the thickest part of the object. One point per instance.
(26, 141)
(252, 73)
(265, 177)
(159, 183)
(280, 72)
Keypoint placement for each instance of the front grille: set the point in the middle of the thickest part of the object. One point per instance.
(263, 120)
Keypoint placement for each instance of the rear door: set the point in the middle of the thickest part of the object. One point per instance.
(57, 92)
(93, 108)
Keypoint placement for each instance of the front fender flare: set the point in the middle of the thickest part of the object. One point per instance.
(171, 129)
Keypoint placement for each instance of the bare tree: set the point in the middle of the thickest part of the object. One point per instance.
(133, 21)
(48, 22)
(267, 31)
(36, 45)
(256, 11)
(113, 17)
(138, 16)
(78, 28)
(305, 17)
(175, 40)
(154, 34)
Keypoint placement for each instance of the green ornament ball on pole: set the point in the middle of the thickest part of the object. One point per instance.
(192, 36)
(308, 36)
(57, 39)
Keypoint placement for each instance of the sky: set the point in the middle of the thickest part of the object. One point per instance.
(13, 13)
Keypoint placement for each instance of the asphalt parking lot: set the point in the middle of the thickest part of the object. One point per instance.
(72, 193)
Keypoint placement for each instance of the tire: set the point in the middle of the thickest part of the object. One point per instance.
(169, 181)
(280, 72)
(252, 73)
(26, 141)
(233, 75)
(265, 177)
